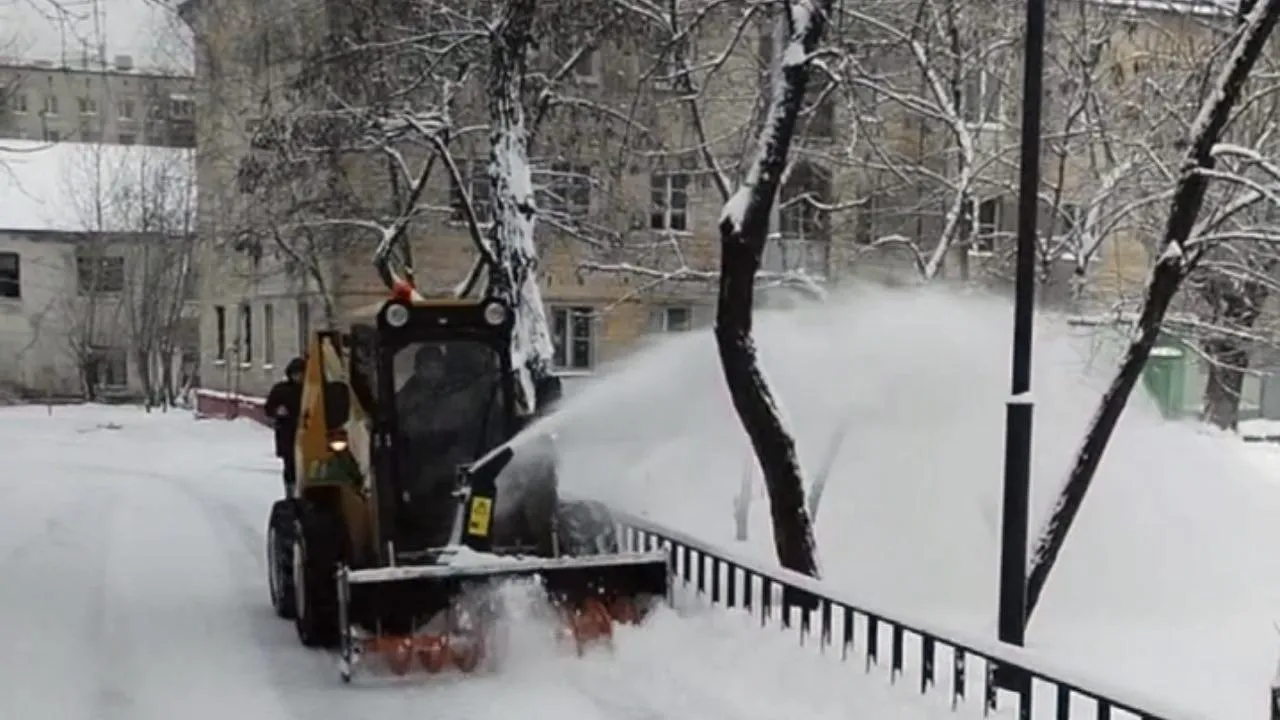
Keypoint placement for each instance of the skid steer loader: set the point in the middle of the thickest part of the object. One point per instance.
(397, 533)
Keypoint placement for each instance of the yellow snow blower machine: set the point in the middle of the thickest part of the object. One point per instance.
(412, 506)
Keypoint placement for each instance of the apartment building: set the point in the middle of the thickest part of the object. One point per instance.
(261, 307)
(880, 172)
(113, 102)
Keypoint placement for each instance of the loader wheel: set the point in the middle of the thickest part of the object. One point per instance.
(585, 527)
(318, 548)
(280, 558)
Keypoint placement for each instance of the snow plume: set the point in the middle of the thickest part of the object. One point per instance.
(1163, 569)
(1179, 254)
(514, 275)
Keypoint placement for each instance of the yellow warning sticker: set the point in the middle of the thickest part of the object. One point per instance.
(481, 516)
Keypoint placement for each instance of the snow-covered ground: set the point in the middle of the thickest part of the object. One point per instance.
(1169, 583)
(133, 588)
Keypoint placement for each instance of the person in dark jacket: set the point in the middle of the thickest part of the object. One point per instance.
(283, 407)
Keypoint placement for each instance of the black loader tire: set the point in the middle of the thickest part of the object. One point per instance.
(585, 527)
(319, 546)
(280, 527)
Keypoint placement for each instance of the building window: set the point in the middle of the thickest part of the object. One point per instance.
(99, 274)
(246, 334)
(10, 275)
(980, 97)
(88, 106)
(304, 327)
(191, 278)
(128, 138)
(864, 231)
(587, 69)
(18, 103)
(125, 109)
(188, 333)
(804, 242)
(822, 113)
(52, 135)
(50, 104)
(91, 136)
(268, 334)
(182, 137)
(986, 229)
(669, 200)
(1068, 219)
(568, 190)
(220, 332)
(573, 336)
(476, 174)
(802, 214)
(181, 107)
(676, 318)
(110, 367)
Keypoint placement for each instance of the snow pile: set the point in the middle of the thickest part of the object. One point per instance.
(1168, 582)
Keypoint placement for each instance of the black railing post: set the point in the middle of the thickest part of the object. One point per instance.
(1275, 696)
(1017, 460)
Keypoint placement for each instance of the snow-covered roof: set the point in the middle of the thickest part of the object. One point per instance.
(66, 33)
(1178, 7)
(84, 187)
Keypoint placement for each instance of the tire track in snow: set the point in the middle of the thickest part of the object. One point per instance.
(52, 597)
(185, 617)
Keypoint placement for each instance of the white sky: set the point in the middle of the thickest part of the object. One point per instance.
(58, 30)
(76, 187)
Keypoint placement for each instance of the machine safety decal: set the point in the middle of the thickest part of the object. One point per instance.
(481, 516)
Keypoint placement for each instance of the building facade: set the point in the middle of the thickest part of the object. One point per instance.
(97, 279)
(93, 102)
(262, 306)
(905, 171)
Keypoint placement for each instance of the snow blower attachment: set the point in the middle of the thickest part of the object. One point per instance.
(413, 498)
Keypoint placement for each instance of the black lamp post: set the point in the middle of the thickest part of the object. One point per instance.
(1017, 457)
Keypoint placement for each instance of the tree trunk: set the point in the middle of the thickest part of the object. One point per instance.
(1228, 359)
(1237, 306)
(1176, 260)
(143, 358)
(513, 276)
(89, 377)
(819, 485)
(744, 228)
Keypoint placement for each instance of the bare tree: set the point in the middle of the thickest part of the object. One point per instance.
(357, 145)
(744, 229)
(156, 200)
(93, 316)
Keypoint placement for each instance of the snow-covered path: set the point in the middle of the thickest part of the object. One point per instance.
(133, 588)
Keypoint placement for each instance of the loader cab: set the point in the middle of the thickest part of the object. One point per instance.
(444, 396)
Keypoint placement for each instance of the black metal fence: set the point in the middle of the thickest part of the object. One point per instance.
(944, 670)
